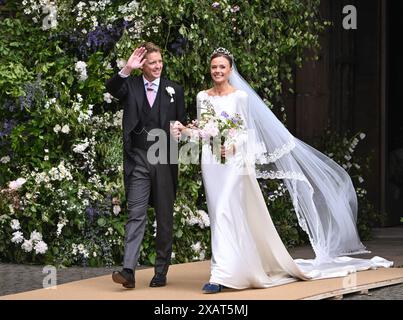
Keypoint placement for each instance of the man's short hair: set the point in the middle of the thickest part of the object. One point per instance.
(150, 47)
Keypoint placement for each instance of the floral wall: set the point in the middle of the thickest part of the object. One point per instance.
(61, 189)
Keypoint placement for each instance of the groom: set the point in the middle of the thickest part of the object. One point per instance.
(150, 104)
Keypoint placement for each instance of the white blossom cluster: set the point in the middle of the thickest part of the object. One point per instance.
(90, 13)
(84, 114)
(108, 97)
(281, 190)
(86, 148)
(129, 10)
(81, 147)
(200, 218)
(85, 194)
(200, 253)
(49, 103)
(79, 249)
(107, 120)
(138, 28)
(34, 242)
(361, 192)
(56, 173)
(5, 159)
(61, 128)
(42, 11)
(81, 69)
(60, 225)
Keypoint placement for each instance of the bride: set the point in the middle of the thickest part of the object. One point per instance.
(247, 251)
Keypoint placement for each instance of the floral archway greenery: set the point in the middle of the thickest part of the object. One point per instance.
(62, 199)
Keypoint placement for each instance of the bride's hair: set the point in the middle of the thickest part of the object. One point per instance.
(222, 52)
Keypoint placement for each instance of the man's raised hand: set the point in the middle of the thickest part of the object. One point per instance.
(136, 60)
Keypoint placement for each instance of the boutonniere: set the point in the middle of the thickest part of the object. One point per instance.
(171, 92)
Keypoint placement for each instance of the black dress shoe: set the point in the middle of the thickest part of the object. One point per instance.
(126, 279)
(159, 280)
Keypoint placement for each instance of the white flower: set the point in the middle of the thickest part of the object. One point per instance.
(107, 97)
(36, 236)
(362, 135)
(65, 129)
(41, 247)
(116, 210)
(17, 237)
(171, 92)
(196, 247)
(57, 128)
(80, 66)
(204, 217)
(120, 63)
(80, 148)
(27, 246)
(15, 224)
(60, 226)
(360, 180)
(5, 159)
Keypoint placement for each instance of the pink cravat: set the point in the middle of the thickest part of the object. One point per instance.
(150, 93)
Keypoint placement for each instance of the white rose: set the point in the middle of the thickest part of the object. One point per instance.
(107, 97)
(5, 159)
(15, 224)
(17, 237)
(41, 247)
(65, 129)
(57, 128)
(36, 236)
(27, 246)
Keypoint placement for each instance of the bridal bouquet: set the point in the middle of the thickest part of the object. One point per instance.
(218, 130)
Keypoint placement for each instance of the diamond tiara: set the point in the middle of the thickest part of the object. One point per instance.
(223, 51)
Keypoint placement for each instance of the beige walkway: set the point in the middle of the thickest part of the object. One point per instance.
(185, 282)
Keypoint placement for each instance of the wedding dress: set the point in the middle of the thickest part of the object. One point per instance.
(247, 251)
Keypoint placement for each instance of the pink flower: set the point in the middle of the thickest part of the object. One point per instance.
(16, 184)
(211, 129)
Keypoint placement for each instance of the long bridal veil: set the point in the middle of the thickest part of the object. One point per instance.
(322, 192)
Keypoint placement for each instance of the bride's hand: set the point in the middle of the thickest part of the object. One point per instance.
(227, 152)
(193, 125)
(176, 129)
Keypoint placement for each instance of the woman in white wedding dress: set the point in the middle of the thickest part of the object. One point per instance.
(247, 251)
